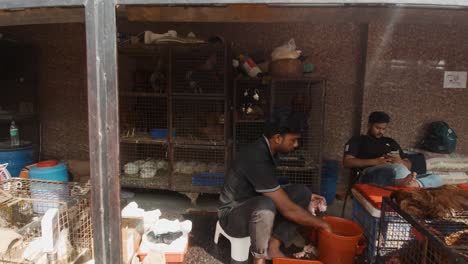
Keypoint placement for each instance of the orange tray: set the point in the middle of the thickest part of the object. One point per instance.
(375, 194)
(171, 257)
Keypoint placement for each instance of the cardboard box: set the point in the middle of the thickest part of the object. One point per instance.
(132, 231)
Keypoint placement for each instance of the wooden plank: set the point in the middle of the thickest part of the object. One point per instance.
(230, 13)
(261, 13)
(103, 129)
(41, 16)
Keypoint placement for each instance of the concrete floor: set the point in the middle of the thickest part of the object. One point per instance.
(173, 202)
(203, 216)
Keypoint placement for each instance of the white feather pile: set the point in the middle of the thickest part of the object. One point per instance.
(148, 169)
(131, 168)
(64, 247)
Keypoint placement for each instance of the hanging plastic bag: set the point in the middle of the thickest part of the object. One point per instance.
(286, 51)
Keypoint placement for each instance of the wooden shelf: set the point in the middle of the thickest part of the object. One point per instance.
(141, 49)
(194, 96)
(177, 142)
(250, 121)
(198, 143)
(142, 140)
(294, 168)
(157, 182)
(143, 94)
(16, 116)
(181, 183)
(314, 78)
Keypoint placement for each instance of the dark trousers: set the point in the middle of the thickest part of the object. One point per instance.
(259, 219)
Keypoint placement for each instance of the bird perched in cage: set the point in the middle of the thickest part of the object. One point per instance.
(214, 129)
(205, 72)
(442, 202)
(157, 78)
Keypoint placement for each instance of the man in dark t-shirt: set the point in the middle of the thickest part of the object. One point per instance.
(254, 204)
(380, 158)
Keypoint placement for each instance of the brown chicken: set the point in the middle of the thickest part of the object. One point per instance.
(433, 203)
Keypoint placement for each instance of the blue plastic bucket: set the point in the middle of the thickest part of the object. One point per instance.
(56, 173)
(49, 191)
(17, 158)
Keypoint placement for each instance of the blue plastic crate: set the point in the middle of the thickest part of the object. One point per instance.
(208, 179)
(370, 225)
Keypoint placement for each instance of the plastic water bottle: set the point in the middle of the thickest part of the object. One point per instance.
(14, 134)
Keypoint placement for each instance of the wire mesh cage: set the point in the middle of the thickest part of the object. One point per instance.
(143, 118)
(194, 166)
(247, 132)
(199, 69)
(144, 165)
(252, 98)
(257, 100)
(143, 70)
(21, 220)
(179, 124)
(199, 121)
(307, 99)
(404, 239)
(251, 108)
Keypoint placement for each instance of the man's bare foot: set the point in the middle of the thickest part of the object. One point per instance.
(274, 249)
(408, 181)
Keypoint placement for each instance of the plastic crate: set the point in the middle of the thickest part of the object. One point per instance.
(171, 257)
(405, 239)
(208, 179)
(370, 225)
(366, 215)
(28, 204)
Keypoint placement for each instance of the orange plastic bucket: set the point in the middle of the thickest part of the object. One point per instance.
(341, 246)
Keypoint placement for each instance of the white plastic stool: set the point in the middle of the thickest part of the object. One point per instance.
(240, 247)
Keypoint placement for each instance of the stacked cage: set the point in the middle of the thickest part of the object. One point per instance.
(256, 101)
(181, 141)
(405, 239)
(143, 109)
(22, 211)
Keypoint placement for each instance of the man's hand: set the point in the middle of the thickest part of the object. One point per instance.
(395, 160)
(326, 226)
(382, 160)
(293, 212)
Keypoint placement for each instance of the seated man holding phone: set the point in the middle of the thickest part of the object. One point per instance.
(381, 159)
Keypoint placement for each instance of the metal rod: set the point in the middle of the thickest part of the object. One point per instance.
(359, 98)
(18, 4)
(101, 44)
(170, 120)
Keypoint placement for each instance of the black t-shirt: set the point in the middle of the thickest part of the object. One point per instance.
(251, 175)
(369, 147)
